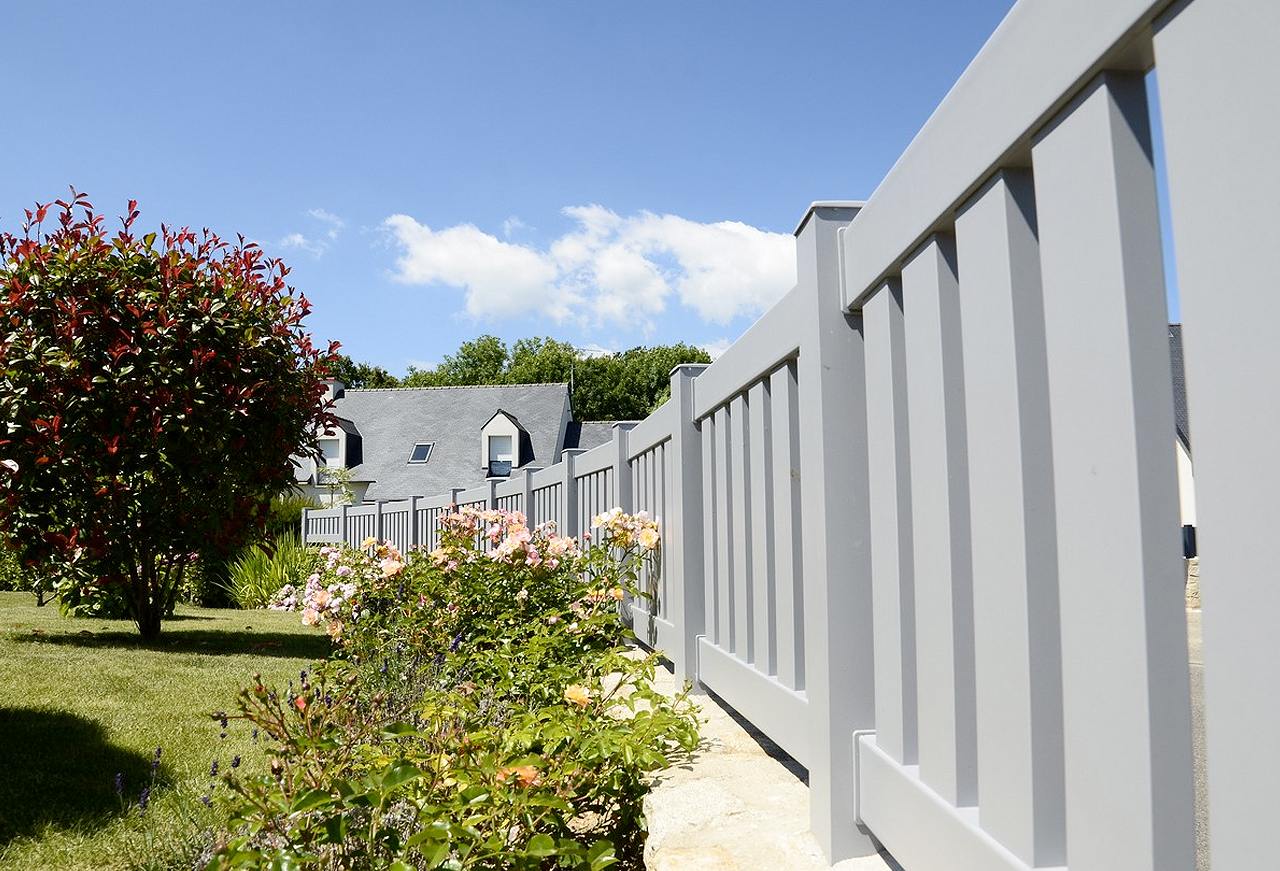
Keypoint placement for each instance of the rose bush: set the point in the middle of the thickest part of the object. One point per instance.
(481, 710)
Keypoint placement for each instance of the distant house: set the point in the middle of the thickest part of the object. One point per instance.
(422, 441)
(1182, 424)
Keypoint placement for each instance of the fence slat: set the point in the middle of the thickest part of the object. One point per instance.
(759, 495)
(940, 524)
(889, 480)
(741, 580)
(724, 527)
(710, 530)
(1015, 572)
(1217, 82)
(787, 526)
(1127, 726)
(1218, 79)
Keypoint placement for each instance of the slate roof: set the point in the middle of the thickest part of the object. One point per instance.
(1181, 415)
(392, 421)
(587, 434)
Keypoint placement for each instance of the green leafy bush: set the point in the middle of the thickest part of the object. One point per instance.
(14, 576)
(481, 712)
(262, 569)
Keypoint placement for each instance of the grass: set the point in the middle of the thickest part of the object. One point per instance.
(82, 700)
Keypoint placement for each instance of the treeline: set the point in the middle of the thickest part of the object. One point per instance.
(627, 385)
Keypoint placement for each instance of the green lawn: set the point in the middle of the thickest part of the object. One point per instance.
(84, 700)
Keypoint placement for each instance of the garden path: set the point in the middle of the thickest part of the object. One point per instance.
(741, 804)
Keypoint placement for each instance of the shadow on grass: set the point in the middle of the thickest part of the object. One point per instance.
(60, 771)
(216, 642)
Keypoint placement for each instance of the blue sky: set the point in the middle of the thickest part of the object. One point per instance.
(608, 174)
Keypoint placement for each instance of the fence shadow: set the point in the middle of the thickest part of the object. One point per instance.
(214, 642)
(59, 770)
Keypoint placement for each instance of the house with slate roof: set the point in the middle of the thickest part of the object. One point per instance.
(1182, 425)
(422, 441)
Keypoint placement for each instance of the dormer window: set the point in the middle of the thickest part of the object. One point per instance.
(504, 445)
(421, 452)
(331, 449)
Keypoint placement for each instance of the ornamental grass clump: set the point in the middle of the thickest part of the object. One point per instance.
(259, 572)
(481, 710)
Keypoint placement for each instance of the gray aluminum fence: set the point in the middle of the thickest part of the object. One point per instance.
(920, 523)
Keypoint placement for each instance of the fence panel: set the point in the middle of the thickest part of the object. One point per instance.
(481, 498)
(322, 526)
(396, 523)
(513, 493)
(547, 495)
(362, 523)
(747, 408)
(1035, 372)
(427, 514)
(595, 482)
(650, 476)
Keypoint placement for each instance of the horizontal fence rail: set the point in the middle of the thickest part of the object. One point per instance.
(920, 523)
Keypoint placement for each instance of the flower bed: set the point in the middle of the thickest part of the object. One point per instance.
(481, 710)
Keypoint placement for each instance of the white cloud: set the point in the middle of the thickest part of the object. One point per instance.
(609, 268)
(311, 244)
(333, 221)
(296, 240)
(499, 277)
(716, 347)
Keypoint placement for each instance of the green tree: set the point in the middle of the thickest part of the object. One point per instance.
(480, 361)
(624, 386)
(152, 391)
(629, 385)
(541, 361)
(360, 375)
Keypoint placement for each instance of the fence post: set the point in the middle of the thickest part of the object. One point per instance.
(839, 678)
(686, 608)
(342, 525)
(379, 530)
(621, 470)
(569, 494)
(414, 536)
(526, 498)
(305, 523)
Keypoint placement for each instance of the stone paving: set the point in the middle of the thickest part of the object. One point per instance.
(741, 805)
